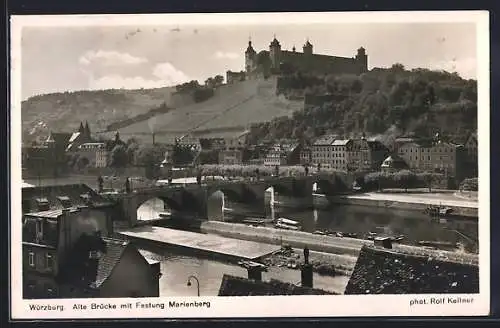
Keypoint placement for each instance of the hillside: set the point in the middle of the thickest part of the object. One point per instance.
(137, 113)
(231, 110)
(381, 103)
(65, 111)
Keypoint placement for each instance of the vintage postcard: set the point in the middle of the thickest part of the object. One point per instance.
(250, 165)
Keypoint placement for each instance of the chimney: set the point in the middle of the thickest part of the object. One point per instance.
(254, 273)
(306, 273)
(153, 138)
(384, 242)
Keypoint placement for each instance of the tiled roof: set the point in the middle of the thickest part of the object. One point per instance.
(52, 214)
(237, 286)
(74, 136)
(73, 191)
(405, 139)
(326, 140)
(380, 271)
(114, 251)
(342, 142)
(61, 138)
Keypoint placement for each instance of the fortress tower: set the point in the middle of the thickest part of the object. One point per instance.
(250, 58)
(308, 48)
(362, 59)
(275, 53)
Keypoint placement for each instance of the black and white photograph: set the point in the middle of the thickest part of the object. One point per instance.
(187, 165)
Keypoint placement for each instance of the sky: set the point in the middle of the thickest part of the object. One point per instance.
(69, 58)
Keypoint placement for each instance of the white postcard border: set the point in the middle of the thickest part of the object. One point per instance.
(269, 306)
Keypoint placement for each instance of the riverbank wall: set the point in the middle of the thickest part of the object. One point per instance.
(320, 243)
(295, 239)
(322, 201)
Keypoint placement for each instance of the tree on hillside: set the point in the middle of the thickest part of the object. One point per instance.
(398, 67)
(148, 155)
(119, 157)
(218, 80)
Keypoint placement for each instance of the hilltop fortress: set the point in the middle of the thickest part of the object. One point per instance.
(278, 61)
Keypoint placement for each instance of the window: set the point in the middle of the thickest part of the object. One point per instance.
(49, 262)
(39, 228)
(31, 259)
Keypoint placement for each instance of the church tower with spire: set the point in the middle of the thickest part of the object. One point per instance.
(87, 133)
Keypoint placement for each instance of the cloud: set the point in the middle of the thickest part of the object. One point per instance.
(168, 73)
(165, 74)
(226, 55)
(109, 58)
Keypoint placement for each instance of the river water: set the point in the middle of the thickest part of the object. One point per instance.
(414, 226)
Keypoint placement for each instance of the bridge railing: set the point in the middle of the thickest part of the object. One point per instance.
(209, 182)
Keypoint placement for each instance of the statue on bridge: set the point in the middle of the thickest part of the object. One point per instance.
(198, 178)
(127, 185)
(306, 255)
(306, 170)
(100, 183)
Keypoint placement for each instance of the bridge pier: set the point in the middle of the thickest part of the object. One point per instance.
(129, 206)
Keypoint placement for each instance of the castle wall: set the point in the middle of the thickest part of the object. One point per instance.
(322, 64)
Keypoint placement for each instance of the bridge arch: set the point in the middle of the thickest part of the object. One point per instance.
(171, 200)
(229, 193)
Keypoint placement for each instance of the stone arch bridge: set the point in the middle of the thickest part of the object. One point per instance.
(192, 199)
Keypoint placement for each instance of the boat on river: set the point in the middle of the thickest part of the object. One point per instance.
(253, 221)
(287, 224)
(438, 211)
(374, 235)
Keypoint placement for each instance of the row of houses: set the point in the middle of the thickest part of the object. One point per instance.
(330, 152)
(53, 152)
(362, 154)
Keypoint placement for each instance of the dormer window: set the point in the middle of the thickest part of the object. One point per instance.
(43, 204)
(85, 198)
(65, 201)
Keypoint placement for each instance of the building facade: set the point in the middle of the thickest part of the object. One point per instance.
(322, 152)
(307, 61)
(233, 150)
(284, 153)
(357, 154)
(347, 155)
(471, 146)
(440, 157)
(305, 155)
(232, 77)
(95, 152)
